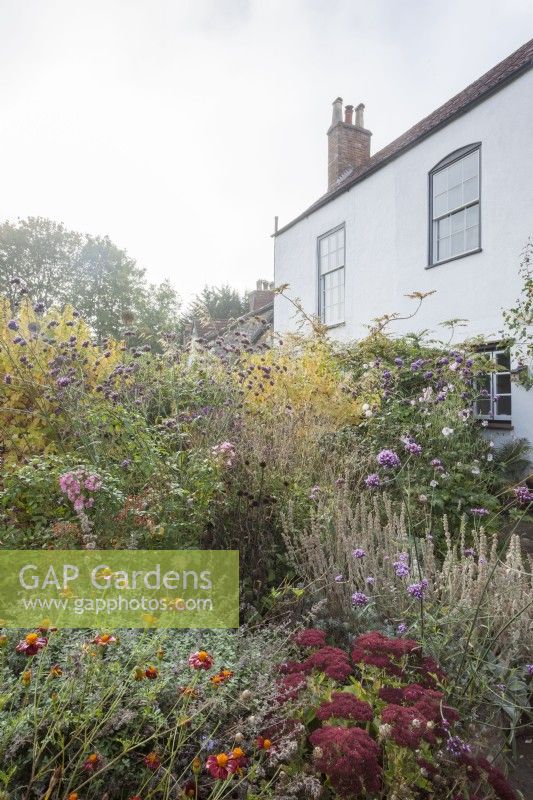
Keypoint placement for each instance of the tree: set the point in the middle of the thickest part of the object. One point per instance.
(159, 313)
(41, 253)
(217, 302)
(56, 266)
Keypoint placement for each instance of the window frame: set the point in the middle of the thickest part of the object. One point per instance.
(320, 238)
(491, 352)
(450, 159)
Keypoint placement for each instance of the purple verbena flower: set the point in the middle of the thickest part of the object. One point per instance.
(417, 589)
(358, 553)
(523, 495)
(479, 512)
(456, 746)
(401, 567)
(411, 446)
(314, 493)
(373, 481)
(13, 325)
(388, 459)
(360, 599)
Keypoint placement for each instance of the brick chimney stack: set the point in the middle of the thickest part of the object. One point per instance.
(262, 295)
(348, 142)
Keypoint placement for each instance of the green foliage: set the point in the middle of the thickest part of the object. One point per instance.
(59, 267)
(34, 508)
(216, 303)
(519, 320)
(77, 698)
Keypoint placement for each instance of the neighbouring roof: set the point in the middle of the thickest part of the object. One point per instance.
(492, 81)
(235, 336)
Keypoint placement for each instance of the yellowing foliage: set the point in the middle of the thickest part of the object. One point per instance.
(304, 377)
(42, 349)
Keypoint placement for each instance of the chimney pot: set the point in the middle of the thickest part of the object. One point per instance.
(359, 115)
(348, 115)
(337, 111)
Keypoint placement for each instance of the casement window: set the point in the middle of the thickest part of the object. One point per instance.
(331, 257)
(493, 390)
(454, 201)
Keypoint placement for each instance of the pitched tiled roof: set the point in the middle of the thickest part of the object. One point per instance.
(232, 336)
(507, 70)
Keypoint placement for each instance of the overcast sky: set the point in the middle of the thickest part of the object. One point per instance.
(181, 127)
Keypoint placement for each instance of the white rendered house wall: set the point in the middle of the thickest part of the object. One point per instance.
(386, 219)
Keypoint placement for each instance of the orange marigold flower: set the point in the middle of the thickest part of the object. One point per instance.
(224, 764)
(56, 671)
(221, 677)
(92, 762)
(73, 796)
(264, 744)
(201, 660)
(103, 639)
(152, 761)
(188, 691)
(151, 672)
(31, 644)
(196, 764)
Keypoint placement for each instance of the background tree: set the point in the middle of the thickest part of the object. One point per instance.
(56, 266)
(217, 302)
(42, 253)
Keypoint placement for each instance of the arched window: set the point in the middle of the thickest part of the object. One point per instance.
(454, 205)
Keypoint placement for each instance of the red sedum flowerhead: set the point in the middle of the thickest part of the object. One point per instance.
(332, 661)
(344, 705)
(313, 637)
(350, 759)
